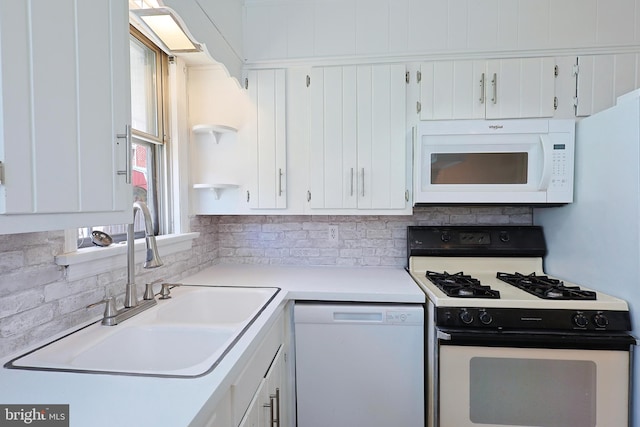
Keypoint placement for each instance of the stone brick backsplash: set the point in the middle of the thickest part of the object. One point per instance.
(361, 240)
(38, 300)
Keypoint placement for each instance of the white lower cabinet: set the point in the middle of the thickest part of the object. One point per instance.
(266, 408)
(260, 394)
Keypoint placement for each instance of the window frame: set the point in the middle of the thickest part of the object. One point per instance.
(158, 180)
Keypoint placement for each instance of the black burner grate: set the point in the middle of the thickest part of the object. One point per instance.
(460, 285)
(546, 287)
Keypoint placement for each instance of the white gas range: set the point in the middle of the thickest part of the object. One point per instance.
(504, 339)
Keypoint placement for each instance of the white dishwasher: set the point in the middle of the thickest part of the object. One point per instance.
(359, 365)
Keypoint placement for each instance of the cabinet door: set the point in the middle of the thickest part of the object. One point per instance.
(452, 90)
(65, 109)
(267, 91)
(498, 89)
(381, 121)
(257, 413)
(602, 78)
(520, 88)
(277, 391)
(333, 138)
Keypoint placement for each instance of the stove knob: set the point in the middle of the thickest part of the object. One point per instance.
(466, 317)
(504, 237)
(600, 320)
(580, 320)
(485, 318)
(445, 237)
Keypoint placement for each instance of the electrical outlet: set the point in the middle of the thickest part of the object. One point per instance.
(333, 233)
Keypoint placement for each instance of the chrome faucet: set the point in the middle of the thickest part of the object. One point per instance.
(153, 259)
(113, 316)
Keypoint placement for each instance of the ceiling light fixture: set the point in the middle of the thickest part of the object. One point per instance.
(167, 27)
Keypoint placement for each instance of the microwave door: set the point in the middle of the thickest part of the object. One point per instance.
(481, 168)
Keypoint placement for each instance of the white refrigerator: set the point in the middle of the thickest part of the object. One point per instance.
(595, 241)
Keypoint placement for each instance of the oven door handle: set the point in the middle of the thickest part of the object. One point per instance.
(535, 339)
(443, 336)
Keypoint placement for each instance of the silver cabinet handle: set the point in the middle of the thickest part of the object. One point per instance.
(127, 137)
(275, 421)
(362, 182)
(308, 195)
(494, 83)
(352, 181)
(482, 96)
(274, 408)
(248, 196)
(279, 182)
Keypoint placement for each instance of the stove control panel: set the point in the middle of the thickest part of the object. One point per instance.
(533, 319)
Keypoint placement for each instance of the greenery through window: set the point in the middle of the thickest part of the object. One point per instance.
(148, 85)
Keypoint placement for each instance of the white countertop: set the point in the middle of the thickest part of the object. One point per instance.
(107, 400)
(361, 284)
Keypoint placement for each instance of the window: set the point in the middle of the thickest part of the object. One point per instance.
(148, 111)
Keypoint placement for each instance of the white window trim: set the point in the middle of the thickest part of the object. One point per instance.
(89, 262)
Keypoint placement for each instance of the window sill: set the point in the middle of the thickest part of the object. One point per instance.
(88, 262)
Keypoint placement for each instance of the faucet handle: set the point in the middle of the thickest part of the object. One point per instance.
(165, 292)
(148, 292)
(110, 311)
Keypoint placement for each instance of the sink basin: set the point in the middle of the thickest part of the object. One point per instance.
(184, 336)
(150, 349)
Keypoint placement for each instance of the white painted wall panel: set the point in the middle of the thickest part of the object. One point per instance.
(483, 24)
(507, 37)
(300, 30)
(458, 20)
(533, 23)
(615, 22)
(572, 23)
(398, 28)
(427, 25)
(335, 30)
(362, 28)
(372, 26)
(270, 26)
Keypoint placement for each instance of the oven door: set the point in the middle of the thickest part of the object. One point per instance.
(548, 380)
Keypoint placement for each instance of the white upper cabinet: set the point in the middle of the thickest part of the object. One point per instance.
(358, 149)
(266, 130)
(64, 114)
(494, 89)
(602, 78)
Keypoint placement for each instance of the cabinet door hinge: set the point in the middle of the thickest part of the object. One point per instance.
(407, 77)
(308, 80)
(576, 69)
(2, 174)
(555, 102)
(418, 107)
(575, 101)
(418, 76)
(556, 71)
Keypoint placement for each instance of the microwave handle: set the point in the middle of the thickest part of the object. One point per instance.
(546, 162)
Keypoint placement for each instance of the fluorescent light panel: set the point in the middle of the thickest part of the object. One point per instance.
(167, 28)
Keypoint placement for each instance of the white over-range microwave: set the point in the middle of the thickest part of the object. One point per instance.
(526, 161)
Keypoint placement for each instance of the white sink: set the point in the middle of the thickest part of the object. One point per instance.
(186, 335)
(155, 349)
